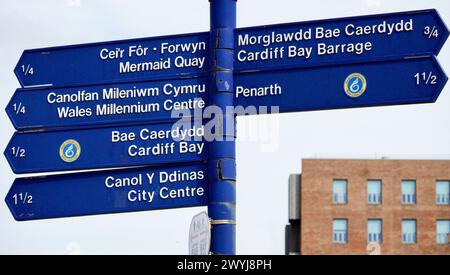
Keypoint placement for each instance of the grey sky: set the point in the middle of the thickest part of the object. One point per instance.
(418, 131)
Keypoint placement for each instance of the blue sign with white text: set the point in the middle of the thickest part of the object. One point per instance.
(106, 104)
(159, 58)
(143, 102)
(106, 192)
(340, 41)
(325, 42)
(121, 146)
(417, 80)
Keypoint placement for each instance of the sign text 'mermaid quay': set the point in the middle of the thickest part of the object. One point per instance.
(164, 63)
(299, 44)
(111, 104)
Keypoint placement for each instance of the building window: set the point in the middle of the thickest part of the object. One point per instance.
(339, 191)
(409, 231)
(442, 192)
(340, 231)
(374, 192)
(374, 231)
(409, 192)
(442, 231)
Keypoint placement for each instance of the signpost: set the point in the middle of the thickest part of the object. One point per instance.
(33, 152)
(340, 41)
(200, 235)
(119, 61)
(112, 104)
(106, 192)
(126, 103)
(222, 183)
(303, 44)
(406, 81)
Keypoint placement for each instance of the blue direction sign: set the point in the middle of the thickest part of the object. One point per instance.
(105, 104)
(105, 192)
(32, 152)
(344, 40)
(127, 60)
(339, 41)
(415, 80)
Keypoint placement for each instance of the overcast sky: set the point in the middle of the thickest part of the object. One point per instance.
(418, 131)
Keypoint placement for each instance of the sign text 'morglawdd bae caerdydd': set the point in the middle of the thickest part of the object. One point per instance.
(304, 44)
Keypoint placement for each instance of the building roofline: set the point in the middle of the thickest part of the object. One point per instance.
(382, 158)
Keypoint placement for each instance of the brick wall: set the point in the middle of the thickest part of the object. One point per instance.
(318, 211)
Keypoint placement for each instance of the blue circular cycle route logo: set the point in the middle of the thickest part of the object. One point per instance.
(355, 85)
(70, 150)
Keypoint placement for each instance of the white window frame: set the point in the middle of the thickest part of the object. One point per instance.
(443, 238)
(413, 236)
(340, 198)
(379, 236)
(340, 240)
(379, 196)
(442, 199)
(412, 197)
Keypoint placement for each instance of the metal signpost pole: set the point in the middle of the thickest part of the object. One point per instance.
(222, 165)
(104, 105)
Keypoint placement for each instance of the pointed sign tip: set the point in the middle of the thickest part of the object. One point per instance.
(443, 79)
(9, 109)
(441, 87)
(10, 153)
(17, 69)
(444, 34)
(10, 204)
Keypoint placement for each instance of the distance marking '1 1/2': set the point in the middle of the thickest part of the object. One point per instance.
(22, 198)
(427, 78)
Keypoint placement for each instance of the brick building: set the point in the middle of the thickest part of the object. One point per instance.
(396, 206)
